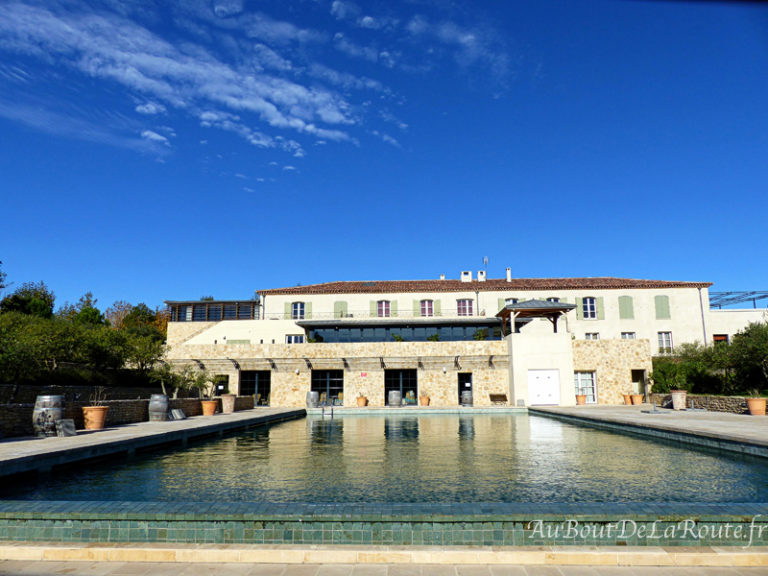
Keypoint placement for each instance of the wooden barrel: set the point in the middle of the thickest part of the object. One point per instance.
(48, 409)
(313, 399)
(466, 398)
(394, 398)
(158, 408)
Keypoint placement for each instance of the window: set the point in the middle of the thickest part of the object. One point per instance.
(584, 383)
(627, 335)
(665, 342)
(297, 310)
(589, 308)
(592, 336)
(464, 307)
(294, 339)
(427, 308)
(553, 300)
(720, 338)
(382, 308)
(511, 301)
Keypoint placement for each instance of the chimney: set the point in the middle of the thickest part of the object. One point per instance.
(466, 276)
(509, 274)
(442, 276)
(481, 275)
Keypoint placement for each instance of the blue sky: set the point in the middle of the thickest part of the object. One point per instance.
(172, 150)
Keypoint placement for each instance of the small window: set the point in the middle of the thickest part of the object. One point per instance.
(297, 310)
(464, 307)
(584, 383)
(592, 336)
(627, 335)
(294, 339)
(553, 300)
(427, 308)
(589, 307)
(382, 308)
(665, 342)
(511, 300)
(720, 338)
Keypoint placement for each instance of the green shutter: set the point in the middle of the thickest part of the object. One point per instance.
(626, 308)
(600, 308)
(339, 309)
(287, 310)
(308, 310)
(436, 307)
(662, 307)
(374, 309)
(416, 308)
(502, 303)
(393, 308)
(579, 309)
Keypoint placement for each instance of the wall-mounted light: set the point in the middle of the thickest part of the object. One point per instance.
(444, 370)
(297, 371)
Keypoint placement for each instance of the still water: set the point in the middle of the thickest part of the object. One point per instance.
(416, 458)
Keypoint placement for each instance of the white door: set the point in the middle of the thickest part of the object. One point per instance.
(544, 387)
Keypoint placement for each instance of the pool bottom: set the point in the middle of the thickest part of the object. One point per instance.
(455, 525)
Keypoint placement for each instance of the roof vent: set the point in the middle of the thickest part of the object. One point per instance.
(481, 275)
(466, 276)
(509, 274)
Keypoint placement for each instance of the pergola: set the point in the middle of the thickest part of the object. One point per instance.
(530, 309)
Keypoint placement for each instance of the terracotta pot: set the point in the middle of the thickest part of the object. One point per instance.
(756, 406)
(581, 399)
(227, 403)
(209, 407)
(636, 399)
(627, 399)
(423, 400)
(95, 417)
(362, 401)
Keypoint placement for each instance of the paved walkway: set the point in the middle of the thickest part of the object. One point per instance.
(17, 568)
(26, 454)
(717, 429)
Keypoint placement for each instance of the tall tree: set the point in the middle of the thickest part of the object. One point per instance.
(34, 299)
(115, 314)
(3, 276)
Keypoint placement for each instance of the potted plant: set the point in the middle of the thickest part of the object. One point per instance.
(755, 403)
(627, 398)
(424, 400)
(637, 399)
(95, 415)
(362, 400)
(205, 384)
(581, 399)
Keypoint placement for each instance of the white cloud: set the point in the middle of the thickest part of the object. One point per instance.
(289, 168)
(150, 108)
(342, 9)
(155, 137)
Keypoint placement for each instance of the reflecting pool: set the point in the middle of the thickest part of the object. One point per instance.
(416, 458)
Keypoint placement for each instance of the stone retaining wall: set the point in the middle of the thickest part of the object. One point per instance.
(16, 419)
(733, 404)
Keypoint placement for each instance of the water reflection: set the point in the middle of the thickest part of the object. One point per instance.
(426, 458)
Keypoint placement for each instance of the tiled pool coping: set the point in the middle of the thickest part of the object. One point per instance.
(546, 524)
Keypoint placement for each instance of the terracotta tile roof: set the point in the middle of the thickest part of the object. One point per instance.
(490, 285)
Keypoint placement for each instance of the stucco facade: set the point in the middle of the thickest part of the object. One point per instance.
(605, 338)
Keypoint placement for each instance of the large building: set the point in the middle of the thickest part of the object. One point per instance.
(510, 341)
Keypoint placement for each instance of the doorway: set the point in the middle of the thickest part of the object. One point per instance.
(465, 388)
(544, 387)
(256, 383)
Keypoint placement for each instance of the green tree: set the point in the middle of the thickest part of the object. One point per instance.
(143, 352)
(3, 276)
(141, 320)
(84, 312)
(749, 357)
(34, 299)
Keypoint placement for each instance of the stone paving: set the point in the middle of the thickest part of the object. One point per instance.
(17, 568)
(27, 454)
(736, 432)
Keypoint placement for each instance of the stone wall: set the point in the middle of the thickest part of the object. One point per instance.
(613, 362)
(26, 394)
(733, 404)
(16, 419)
(361, 362)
